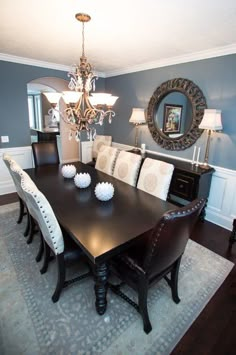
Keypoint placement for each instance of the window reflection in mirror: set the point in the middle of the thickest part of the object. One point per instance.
(174, 103)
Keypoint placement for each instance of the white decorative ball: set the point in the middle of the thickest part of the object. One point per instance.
(82, 180)
(68, 171)
(104, 191)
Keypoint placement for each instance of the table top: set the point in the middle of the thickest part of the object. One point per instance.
(101, 229)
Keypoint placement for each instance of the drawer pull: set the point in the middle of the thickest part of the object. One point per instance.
(181, 186)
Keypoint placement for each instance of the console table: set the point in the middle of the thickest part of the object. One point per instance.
(188, 181)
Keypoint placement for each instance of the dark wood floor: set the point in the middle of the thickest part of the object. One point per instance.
(214, 331)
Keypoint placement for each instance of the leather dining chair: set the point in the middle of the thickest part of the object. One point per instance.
(127, 167)
(106, 159)
(54, 240)
(45, 153)
(157, 254)
(155, 177)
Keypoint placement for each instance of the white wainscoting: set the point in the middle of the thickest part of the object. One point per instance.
(23, 156)
(221, 207)
(86, 151)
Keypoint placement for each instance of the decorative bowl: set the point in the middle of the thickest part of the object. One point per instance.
(68, 171)
(104, 191)
(82, 180)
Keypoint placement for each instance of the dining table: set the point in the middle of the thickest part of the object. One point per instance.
(102, 229)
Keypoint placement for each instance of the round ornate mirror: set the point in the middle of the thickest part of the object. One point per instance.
(174, 113)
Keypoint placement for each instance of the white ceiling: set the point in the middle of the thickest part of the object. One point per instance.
(122, 36)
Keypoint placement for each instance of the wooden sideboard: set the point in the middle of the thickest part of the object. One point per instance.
(188, 181)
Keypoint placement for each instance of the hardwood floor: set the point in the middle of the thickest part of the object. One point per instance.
(214, 331)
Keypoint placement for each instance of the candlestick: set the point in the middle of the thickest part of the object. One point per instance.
(198, 155)
(194, 153)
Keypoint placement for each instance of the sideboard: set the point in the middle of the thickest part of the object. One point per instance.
(188, 181)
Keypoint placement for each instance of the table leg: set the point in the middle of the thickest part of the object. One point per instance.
(100, 287)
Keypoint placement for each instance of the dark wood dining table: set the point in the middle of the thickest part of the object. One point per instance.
(102, 229)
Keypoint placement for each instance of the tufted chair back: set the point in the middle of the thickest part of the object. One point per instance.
(45, 153)
(168, 240)
(155, 177)
(16, 172)
(42, 211)
(106, 159)
(8, 160)
(127, 167)
(98, 142)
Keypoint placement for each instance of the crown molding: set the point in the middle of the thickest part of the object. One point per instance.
(211, 53)
(33, 62)
(39, 63)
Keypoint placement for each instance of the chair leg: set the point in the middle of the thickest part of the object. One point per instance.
(27, 228)
(46, 256)
(174, 281)
(21, 212)
(41, 249)
(61, 275)
(142, 303)
(31, 229)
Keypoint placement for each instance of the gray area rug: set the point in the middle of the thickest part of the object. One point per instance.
(31, 324)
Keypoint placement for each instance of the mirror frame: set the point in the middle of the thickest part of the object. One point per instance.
(198, 102)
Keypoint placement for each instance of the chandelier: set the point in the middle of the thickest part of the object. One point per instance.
(82, 108)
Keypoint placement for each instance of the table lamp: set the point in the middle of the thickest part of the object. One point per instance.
(137, 117)
(212, 122)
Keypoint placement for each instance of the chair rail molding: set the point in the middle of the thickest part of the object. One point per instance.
(23, 156)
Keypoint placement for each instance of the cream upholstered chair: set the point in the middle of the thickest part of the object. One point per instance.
(127, 167)
(155, 177)
(8, 160)
(18, 174)
(52, 238)
(98, 142)
(106, 159)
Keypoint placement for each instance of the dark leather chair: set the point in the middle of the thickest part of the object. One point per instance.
(45, 153)
(157, 254)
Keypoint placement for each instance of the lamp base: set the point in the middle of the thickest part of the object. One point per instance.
(135, 150)
(204, 166)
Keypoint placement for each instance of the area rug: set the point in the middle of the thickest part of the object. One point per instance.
(32, 324)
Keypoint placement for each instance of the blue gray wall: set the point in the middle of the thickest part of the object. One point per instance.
(216, 78)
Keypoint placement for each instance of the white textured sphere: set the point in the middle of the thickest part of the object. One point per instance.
(82, 180)
(104, 191)
(68, 171)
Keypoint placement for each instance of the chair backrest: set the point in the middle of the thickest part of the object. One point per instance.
(127, 167)
(42, 211)
(45, 153)
(98, 142)
(8, 160)
(155, 177)
(106, 159)
(17, 174)
(168, 240)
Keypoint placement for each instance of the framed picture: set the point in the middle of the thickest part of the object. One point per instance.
(172, 118)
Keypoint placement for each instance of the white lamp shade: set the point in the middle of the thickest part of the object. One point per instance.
(102, 99)
(53, 97)
(137, 116)
(71, 97)
(211, 120)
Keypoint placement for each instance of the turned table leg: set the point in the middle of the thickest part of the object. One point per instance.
(100, 287)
